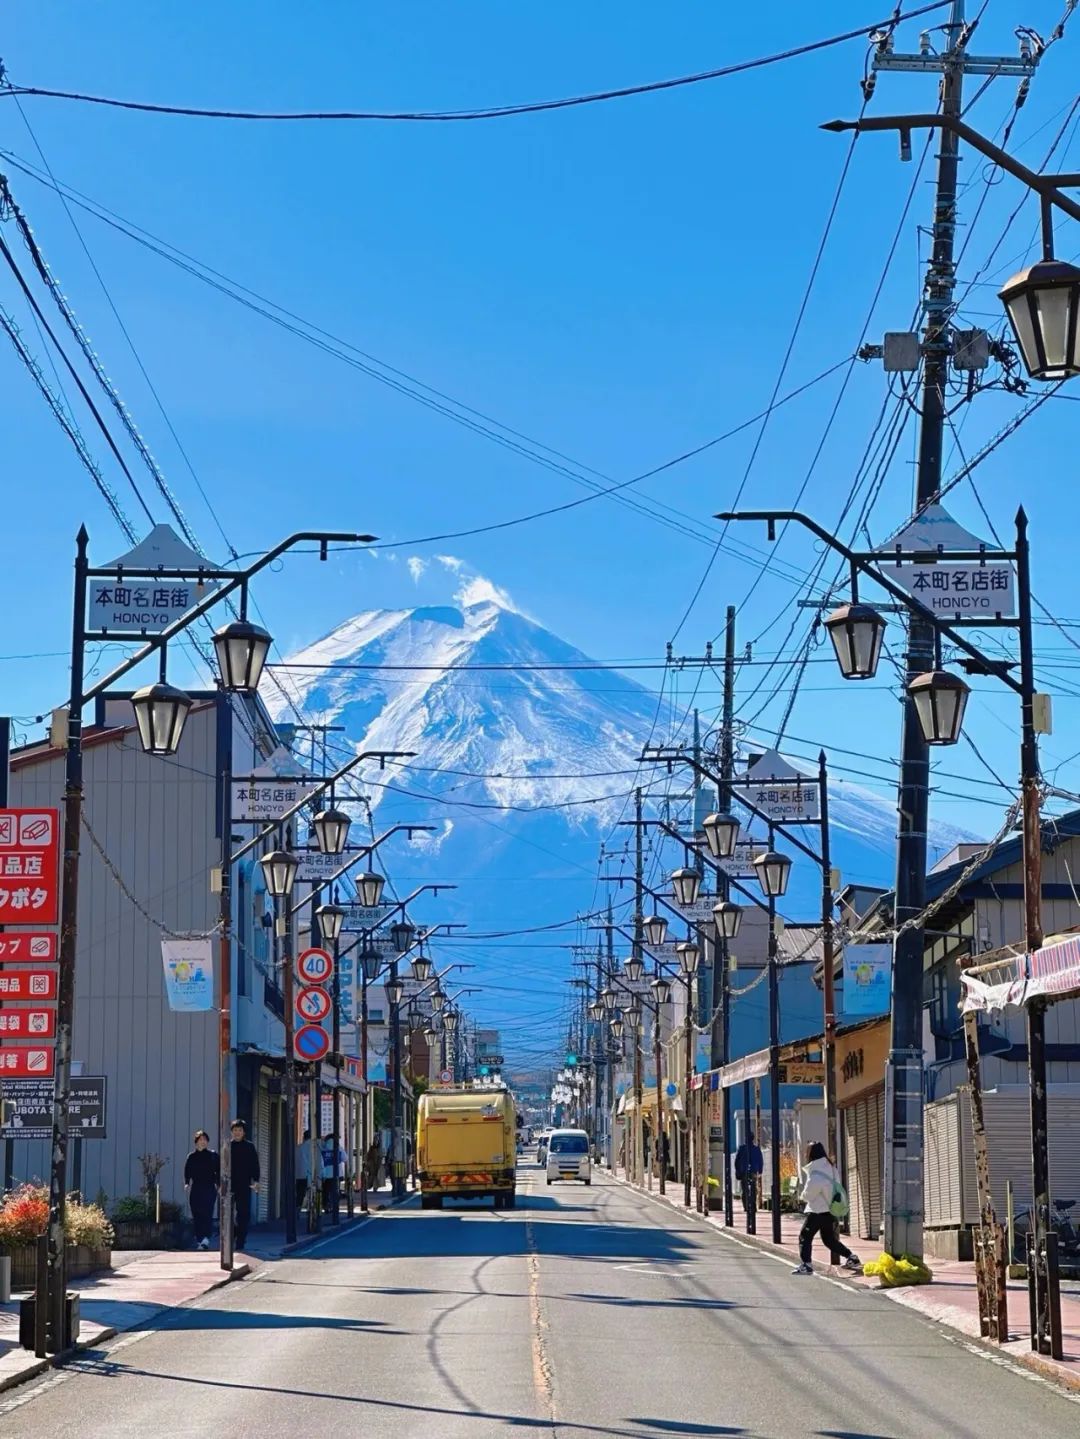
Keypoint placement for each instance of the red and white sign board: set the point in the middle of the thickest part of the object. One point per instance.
(26, 1062)
(312, 1005)
(27, 1024)
(29, 866)
(314, 966)
(27, 983)
(28, 948)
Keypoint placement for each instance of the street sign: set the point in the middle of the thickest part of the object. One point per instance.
(802, 1071)
(445, 1077)
(29, 1107)
(741, 863)
(957, 588)
(27, 983)
(24, 1062)
(28, 1024)
(362, 916)
(263, 797)
(29, 866)
(780, 791)
(314, 966)
(311, 1043)
(701, 909)
(312, 1004)
(493, 1061)
(118, 605)
(28, 948)
(315, 866)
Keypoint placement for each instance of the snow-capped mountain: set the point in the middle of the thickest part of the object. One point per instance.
(525, 756)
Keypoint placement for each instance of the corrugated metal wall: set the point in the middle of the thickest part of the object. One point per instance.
(864, 1124)
(154, 818)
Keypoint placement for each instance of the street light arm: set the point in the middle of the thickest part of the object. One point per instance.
(859, 563)
(240, 578)
(1047, 187)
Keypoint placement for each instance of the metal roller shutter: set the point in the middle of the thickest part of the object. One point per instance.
(875, 1151)
(262, 1143)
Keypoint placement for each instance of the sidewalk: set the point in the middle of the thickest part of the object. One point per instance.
(952, 1299)
(141, 1284)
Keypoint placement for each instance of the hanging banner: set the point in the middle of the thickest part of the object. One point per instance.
(189, 974)
(867, 970)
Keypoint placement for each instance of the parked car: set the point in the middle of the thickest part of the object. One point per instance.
(568, 1156)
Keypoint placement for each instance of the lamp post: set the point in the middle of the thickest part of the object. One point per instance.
(689, 957)
(160, 714)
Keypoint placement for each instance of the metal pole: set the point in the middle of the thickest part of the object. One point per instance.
(720, 1041)
(315, 1134)
(53, 1300)
(774, 1065)
(364, 1114)
(335, 1192)
(1046, 1294)
(688, 1069)
(749, 1182)
(225, 1115)
(5, 799)
(396, 1138)
(289, 1158)
(904, 1071)
(661, 1128)
(828, 961)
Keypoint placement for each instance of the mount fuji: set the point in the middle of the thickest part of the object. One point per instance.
(526, 756)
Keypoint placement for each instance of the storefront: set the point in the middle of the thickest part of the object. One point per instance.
(861, 1052)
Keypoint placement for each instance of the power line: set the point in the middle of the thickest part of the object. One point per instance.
(492, 112)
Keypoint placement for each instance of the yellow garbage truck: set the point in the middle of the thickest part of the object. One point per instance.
(466, 1146)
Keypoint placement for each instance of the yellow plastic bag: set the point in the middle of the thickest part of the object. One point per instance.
(893, 1272)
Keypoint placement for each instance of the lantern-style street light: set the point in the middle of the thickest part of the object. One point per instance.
(450, 1020)
(857, 632)
(241, 649)
(160, 712)
(331, 917)
(634, 969)
(402, 934)
(279, 869)
(1043, 305)
(686, 886)
(656, 927)
(331, 829)
(421, 968)
(369, 886)
(596, 1011)
(395, 988)
(662, 989)
(728, 917)
(608, 998)
(940, 699)
(773, 871)
(689, 957)
(617, 1026)
(721, 834)
(438, 999)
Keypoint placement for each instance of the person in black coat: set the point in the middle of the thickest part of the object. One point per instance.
(244, 1180)
(202, 1173)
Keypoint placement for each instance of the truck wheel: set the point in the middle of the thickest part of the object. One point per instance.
(510, 1201)
(588, 1182)
(549, 1178)
(436, 1201)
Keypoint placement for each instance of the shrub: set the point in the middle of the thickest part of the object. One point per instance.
(133, 1208)
(87, 1224)
(24, 1215)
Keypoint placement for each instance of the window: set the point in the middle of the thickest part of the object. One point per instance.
(569, 1144)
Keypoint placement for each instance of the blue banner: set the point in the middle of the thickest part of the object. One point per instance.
(867, 972)
(189, 974)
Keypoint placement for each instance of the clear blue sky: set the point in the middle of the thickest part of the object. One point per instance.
(619, 282)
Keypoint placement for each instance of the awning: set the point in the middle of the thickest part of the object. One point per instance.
(1013, 980)
(628, 1103)
(800, 1063)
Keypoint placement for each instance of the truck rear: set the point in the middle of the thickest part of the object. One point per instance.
(466, 1146)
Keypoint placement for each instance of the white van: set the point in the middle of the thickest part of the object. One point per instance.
(568, 1155)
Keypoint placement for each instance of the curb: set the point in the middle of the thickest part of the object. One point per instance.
(1044, 1367)
(287, 1251)
(57, 1361)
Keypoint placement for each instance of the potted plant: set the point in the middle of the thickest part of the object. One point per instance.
(24, 1217)
(89, 1237)
(140, 1226)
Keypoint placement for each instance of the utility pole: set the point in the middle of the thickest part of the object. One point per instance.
(828, 960)
(774, 1063)
(720, 1037)
(904, 1070)
(638, 950)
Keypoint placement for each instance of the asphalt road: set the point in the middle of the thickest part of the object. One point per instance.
(585, 1312)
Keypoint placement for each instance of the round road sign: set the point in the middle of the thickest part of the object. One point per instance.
(315, 966)
(312, 1005)
(311, 1042)
(445, 1077)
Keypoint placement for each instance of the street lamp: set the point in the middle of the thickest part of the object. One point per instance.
(634, 969)
(279, 869)
(438, 999)
(728, 917)
(421, 968)
(331, 917)
(430, 1034)
(773, 872)
(1043, 305)
(450, 1020)
(617, 1026)
(160, 712)
(241, 649)
(608, 998)
(331, 828)
(372, 960)
(686, 885)
(596, 1010)
(689, 956)
(857, 632)
(369, 887)
(395, 988)
(662, 989)
(721, 833)
(402, 934)
(655, 930)
(940, 699)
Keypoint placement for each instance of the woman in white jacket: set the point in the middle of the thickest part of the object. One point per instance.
(821, 1183)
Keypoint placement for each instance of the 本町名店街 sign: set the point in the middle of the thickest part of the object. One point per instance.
(259, 799)
(955, 587)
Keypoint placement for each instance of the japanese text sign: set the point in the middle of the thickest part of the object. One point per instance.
(28, 1024)
(952, 587)
(28, 948)
(29, 866)
(25, 1063)
(27, 983)
(259, 799)
(141, 606)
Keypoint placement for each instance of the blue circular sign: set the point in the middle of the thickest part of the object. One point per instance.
(311, 1042)
(671, 1089)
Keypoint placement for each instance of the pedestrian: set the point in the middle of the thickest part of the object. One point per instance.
(825, 1202)
(749, 1166)
(244, 1179)
(331, 1173)
(202, 1174)
(303, 1169)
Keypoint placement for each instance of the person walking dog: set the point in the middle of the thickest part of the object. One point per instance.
(825, 1202)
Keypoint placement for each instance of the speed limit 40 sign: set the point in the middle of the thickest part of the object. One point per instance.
(314, 966)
